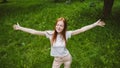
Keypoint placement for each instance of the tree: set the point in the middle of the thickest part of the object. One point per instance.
(56, 0)
(4, 1)
(107, 8)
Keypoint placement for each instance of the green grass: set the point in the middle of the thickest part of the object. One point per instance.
(96, 48)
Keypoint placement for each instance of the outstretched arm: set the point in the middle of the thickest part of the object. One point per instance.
(28, 30)
(88, 27)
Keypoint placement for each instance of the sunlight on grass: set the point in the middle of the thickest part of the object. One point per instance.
(96, 48)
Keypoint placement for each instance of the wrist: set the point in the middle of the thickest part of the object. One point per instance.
(19, 28)
(95, 24)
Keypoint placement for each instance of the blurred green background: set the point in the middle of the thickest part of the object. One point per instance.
(96, 48)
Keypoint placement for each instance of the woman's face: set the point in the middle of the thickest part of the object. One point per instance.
(59, 26)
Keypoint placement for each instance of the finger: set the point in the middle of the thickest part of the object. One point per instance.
(103, 23)
(17, 23)
(99, 20)
(14, 26)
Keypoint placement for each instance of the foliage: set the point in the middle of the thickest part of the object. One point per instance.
(96, 48)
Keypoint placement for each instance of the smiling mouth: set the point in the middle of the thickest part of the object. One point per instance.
(58, 30)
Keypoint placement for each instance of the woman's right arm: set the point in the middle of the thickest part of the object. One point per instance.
(28, 30)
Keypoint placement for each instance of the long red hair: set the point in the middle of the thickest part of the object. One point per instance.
(63, 33)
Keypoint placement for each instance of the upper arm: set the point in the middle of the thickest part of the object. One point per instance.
(49, 34)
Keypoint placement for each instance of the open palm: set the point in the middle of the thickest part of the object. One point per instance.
(100, 23)
(16, 26)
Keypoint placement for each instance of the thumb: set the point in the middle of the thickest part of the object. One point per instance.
(17, 23)
(99, 20)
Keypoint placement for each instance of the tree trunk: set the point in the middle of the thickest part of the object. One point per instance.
(107, 8)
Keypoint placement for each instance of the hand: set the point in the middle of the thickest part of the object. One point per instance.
(16, 26)
(100, 23)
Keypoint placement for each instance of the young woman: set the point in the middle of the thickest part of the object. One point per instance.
(58, 39)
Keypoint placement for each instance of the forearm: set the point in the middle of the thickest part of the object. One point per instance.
(32, 31)
(88, 27)
(83, 29)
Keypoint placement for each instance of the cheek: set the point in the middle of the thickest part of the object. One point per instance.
(56, 27)
(62, 28)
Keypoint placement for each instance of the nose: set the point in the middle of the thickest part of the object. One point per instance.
(58, 26)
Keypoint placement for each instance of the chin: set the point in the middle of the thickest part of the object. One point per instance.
(59, 31)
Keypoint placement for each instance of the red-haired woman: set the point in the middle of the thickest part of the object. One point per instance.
(58, 38)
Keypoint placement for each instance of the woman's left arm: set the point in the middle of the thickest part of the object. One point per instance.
(88, 27)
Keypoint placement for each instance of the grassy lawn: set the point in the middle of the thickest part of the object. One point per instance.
(96, 48)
